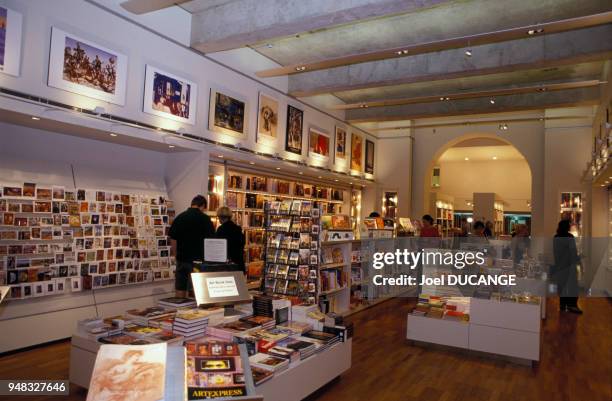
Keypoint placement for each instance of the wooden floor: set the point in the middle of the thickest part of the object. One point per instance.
(576, 363)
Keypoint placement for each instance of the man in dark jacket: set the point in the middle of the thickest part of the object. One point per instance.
(233, 234)
(187, 235)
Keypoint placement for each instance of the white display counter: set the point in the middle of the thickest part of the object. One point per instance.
(496, 327)
(301, 379)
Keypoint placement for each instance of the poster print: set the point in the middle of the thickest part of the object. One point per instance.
(369, 157)
(318, 143)
(227, 114)
(167, 95)
(10, 41)
(356, 152)
(267, 118)
(83, 67)
(295, 122)
(340, 150)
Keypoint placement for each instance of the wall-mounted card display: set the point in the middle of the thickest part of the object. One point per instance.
(267, 119)
(65, 241)
(318, 143)
(340, 144)
(369, 157)
(10, 41)
(227, 114)
(295, 125)
(86, 68)
(356, 152)
(169, 96)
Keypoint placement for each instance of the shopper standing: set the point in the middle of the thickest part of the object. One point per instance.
(488, 231)
(428, 229)
(187, 235)
(233, 234)
(566, 261)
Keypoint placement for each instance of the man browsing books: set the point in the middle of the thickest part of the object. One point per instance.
(187, 235)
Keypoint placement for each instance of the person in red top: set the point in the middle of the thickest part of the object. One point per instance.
(428, 229)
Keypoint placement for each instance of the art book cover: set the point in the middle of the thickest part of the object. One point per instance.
(214, 370)
(129, 372)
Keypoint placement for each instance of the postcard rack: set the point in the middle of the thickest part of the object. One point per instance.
(292, 245)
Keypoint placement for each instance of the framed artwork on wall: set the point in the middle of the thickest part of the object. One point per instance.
(295, 123)
(10, 41)
(169, 96)
(267, 118)
(369, 157)
(356, 152)
(86, 68)
(340, 144)
(318, 143)
(227, 114)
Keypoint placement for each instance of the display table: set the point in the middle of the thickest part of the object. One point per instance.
(301, 379)
(503, 328)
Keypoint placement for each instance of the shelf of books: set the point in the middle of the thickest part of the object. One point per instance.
(269, 350)
(444, 217)
(502, 324)
(498, 217)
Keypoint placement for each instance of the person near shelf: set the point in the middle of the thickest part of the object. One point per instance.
(520, 242)
(428, 229)
(478, 233)
(232, 232)
(374, 215)
(488, 231)
(187, 234)
(564, 269)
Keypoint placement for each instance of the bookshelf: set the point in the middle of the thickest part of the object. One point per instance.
(334, 276)
(498, 218)
(444, 217)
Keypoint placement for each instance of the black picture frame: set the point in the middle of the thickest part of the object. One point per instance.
(294, 132)
(369, 157)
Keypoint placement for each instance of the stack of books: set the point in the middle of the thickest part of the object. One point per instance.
(322, 340)
(265, 305)
(190, 323)
(142, 332)
(227, 331)
(295, 327)
(285, 353)
(304, 346)
(260, 375)
(264, 321)
(176, 302)
(96, 328)
(142, 316)
(269, 362)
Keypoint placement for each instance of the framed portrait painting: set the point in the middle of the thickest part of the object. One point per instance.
(340, 144)
(80, 66)
(267, 118)
(227, 114)
(169, 96)
(356, 152)
(318, 143)
(295, 123)
(10, 41)
(369, 157)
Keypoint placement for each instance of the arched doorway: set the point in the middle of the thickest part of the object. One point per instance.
(483, 164)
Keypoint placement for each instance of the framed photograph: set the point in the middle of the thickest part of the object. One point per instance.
(267, 118)
(227, 114)
(10, 41)
(318, 143)
(369, 157)
(356, 152)
(295, 123)
(86, 68)
(169, 96)
(340, 144)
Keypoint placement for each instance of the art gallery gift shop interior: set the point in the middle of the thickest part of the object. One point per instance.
(196, 198)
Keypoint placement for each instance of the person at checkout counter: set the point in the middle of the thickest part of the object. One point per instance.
(233, 234)
(187, 235)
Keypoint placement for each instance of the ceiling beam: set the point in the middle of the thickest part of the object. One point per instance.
(490, 93)
(572, 47)
(519, 102)
(147, 6)
(451, 43)
(246, 22)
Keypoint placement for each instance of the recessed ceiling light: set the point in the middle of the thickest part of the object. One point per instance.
(300, 173)
(492, 101)
(534, 31)
(171, 146)
(251, 163)
(278, 168)
(35, 118)
(468, 52)
(542, 89)
(220, 156)
(363, 106)
(466, 159)
(441, 98)
(494, 157)
(320, 177)
(336, 180)
(113, 134)
(300, 68)
(447, 98)
(503, 127)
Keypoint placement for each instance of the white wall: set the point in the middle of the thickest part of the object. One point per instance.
(510, 179)
(394, 171)
(144, 47)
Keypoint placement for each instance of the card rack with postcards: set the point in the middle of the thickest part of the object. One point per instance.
(292, 244)
(54, 241)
